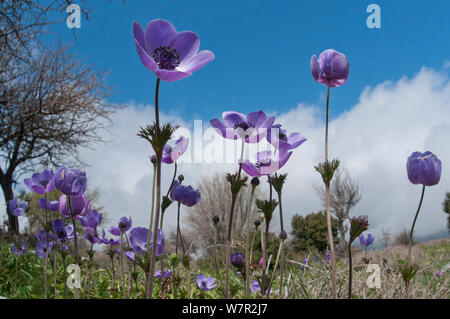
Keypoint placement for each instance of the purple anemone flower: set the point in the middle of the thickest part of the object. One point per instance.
(60, 230)
(17, 209)
(256, 287)
(19, 252)
(79, 206)
(139, 237)
(267, 162)
(123, 227)
(331, 69)
(70, 181)
(41, 245)
(205, 283)
(41, 183)
(251, 128)
(171, 154)
(165, 274)
(110, 241)
(170, 55)
(185, 194)
(424, 168)
(280, 140)
(49, 205)
(366, 241)
(93, 219)
(69, 230)
(237, 260)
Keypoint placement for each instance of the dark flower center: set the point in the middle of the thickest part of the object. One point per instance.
(263, 163)
(167, 58)
(243, 125)
(122, 225)
(44, 182)
(203, 284)
(283, 137)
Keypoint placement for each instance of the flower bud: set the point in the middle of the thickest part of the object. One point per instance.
(237, 260)
(257, 223)
(283, 235)
(153, 159)
(180, 178)
(261, 217)
(255, 181)
(215, 220)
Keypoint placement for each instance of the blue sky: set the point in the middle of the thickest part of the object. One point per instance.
(263, 50)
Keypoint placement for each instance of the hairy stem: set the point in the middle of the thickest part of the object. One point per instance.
(350, 270)
(327, 194)
(149, 293)
(247, 245)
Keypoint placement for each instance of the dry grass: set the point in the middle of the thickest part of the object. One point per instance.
(431, 257)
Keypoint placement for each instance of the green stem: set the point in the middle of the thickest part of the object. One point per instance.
(282, 245)
(75, 242)
(413, 225)
(178, 228)
(149, 292)
(15, 274)
(121, 265)
(327, 194)
(152, 209)
(215, 255)
(230, 225)
(350, 270)
(247, 245)
(280, 249)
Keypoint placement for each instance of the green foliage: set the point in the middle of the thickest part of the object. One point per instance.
(311, 231)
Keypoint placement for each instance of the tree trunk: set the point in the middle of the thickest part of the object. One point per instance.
(8, 194)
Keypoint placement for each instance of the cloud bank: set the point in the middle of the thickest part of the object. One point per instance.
(372, 140)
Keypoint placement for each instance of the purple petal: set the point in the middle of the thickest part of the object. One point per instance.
(186, 44)
(223, 130)
(159, 33)
(146, 60)
(196, 62)
(232, 118)
(171, 76)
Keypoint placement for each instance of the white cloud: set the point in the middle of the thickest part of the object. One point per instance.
(373, 140)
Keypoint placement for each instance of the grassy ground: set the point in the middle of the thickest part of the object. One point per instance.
(303, 282)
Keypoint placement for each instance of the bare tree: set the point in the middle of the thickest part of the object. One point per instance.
(51, 103)
(216, 201)
(344, 195)
(386, 236)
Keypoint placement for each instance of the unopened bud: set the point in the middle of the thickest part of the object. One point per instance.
(215, 220)
(255, 181)
(153, 159)
(180, 178)
(257, 223)
(283, 235)
(261, 217)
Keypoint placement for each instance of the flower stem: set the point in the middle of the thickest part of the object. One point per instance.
(178, 228)
(280, 249)
(247, 245)
(350, 270)
(264, 266)
(281, 245)
(230, 225)
(122, 266)
(149, 292)
(152, 209)
(327, 194)
(15, 274)
(46, 249)
(215, 255)
(54, 275)
(410, 241)
(75, 242)
(413, 225)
